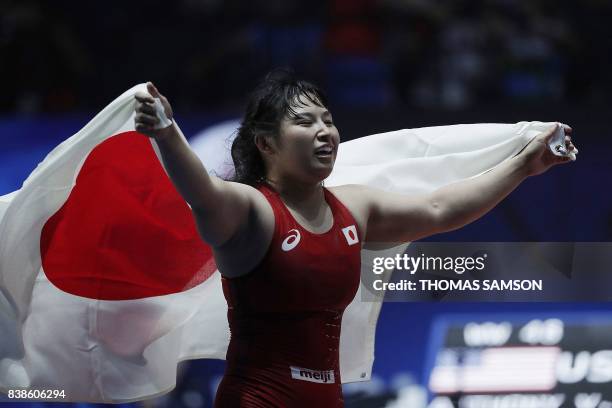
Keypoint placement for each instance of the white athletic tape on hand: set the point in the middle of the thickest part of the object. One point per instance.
(164, 122)
(557, 144)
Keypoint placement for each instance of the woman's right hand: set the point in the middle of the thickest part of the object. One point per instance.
(146, 117)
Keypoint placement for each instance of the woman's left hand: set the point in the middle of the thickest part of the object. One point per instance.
(537, 155)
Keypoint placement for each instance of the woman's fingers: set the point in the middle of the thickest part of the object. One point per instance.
(568, 129)
(144, 97)
(570, 145)
(153, 90)
(146, 108)
(146, 119)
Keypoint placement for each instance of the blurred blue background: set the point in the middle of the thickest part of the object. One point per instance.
(386, 65)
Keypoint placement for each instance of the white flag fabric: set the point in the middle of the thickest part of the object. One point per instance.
(105, 285)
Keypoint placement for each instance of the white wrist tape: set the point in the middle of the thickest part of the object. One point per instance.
(557, 144)
(164, 122)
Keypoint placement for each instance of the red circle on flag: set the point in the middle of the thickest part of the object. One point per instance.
(124, 232)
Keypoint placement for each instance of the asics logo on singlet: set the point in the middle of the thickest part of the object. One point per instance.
(291, 241)
(350, 233)
(316, 376)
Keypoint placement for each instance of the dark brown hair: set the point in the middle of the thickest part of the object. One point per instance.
(274, 98)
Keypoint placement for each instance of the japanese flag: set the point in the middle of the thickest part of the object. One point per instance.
(105, 285)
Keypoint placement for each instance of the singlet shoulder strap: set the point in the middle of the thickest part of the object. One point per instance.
(342, 215)
(278, 207)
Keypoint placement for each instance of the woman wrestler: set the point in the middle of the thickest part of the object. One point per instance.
(289, 249)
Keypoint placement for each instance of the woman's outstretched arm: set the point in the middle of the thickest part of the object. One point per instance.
(221, 208)
(393, 217)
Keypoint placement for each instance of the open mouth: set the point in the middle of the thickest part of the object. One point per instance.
(325, 151)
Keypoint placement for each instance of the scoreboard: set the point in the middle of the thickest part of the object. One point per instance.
(521, 361)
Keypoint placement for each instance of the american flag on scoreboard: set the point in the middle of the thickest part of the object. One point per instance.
(495, 369)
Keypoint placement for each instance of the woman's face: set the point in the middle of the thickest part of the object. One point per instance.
(307, 144)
